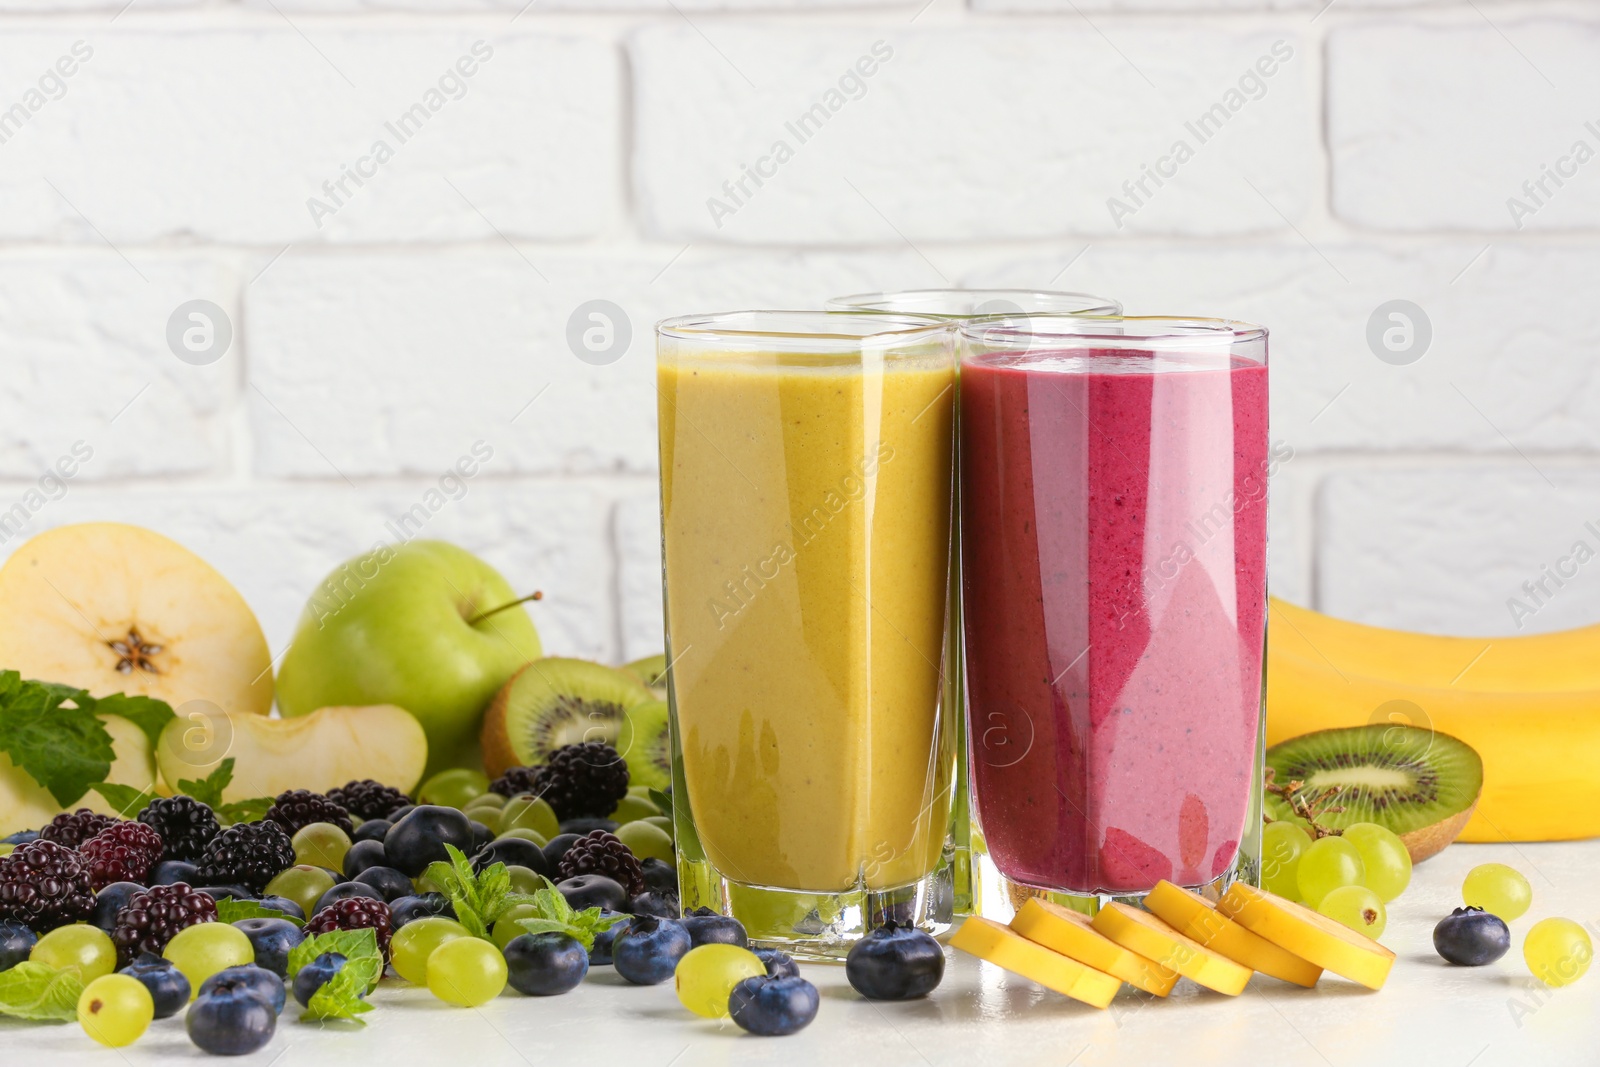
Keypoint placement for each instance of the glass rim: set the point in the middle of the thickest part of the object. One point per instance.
(878, 302)
(723, 325)
(1041, 330)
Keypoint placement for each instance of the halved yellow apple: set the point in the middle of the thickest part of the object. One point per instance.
(27, 805)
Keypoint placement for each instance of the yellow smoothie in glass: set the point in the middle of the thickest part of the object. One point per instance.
(806, 505)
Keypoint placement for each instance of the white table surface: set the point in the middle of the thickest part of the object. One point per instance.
(1428, 1014)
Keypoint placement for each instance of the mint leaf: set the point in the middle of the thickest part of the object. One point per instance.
(353, 945)
(252, 810)
(231, 911)
(661, 800)
(147, 713)
(65, 749)
(479, 899)
(555, 915)
(208, 790)
(33, 991)
(127, 800)
(341, 997)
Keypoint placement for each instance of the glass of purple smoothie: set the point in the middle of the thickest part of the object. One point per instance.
(1113, 488)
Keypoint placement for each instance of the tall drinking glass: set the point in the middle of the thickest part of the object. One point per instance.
(1113, 490)
(807, 479)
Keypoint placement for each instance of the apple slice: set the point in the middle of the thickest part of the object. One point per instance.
(321, 751)
(27, 805)
(120, 609)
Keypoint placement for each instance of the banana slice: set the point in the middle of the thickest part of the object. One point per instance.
(1155, 940)
(1330, 945)
(1071, 934)
(1195, 916)
(1003, 947)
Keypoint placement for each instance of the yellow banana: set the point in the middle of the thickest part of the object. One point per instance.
(1540, 743)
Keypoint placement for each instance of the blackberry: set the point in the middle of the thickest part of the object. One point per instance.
(603, 853)
(122, 853)
(45, 884)
(186, 825)
(250, 854)
(74, 829)
(301, 807)
(516, 780)
(368, 799)
(150, 919)
(586, 779)
(355, 913)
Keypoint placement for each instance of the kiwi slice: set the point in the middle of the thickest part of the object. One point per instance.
(1420, 784)
(553, 702)
(652, 671)
(645, 746)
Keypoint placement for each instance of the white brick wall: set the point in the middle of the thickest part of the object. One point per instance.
(430, 308)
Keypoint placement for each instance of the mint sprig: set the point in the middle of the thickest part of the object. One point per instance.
(343, 995)
(209, 790)
(479, 899)
(33, 991)
(125, 799)
(231, 911)
(556, 916)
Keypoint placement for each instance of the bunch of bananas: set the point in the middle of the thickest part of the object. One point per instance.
(1529, 705)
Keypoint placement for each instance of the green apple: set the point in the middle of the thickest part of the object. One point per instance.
(413, 625)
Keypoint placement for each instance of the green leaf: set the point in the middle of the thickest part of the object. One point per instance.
(65, 749)
(252, 810)
(127, 800)
(555, 915)
(147, 713)
(33, 991)
(353, 945)
(231, 911)
(208, 790)
(341, 997)
(661, 800)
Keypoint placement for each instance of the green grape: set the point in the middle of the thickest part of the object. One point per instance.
(525, 812)
(1282, 845)
(414, 942)
(467, 972)
(86, 949)
(1357, 907)
(321, 844)
(526, 835)
(452, 789)
(303, 884)
(1329, 863)
(6, 850)
(1557, 951)
(1498, 890)
(630, 808)
(525, 879)
(202, 950)
(115, 1010)
(1385, 857)
(487, 800)
(705, 977)
(645, 841)
(664, 822)
(506, 928)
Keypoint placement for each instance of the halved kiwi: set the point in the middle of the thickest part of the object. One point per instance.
(645, 745)
(1420, 784)
(652, 671)
(553, 702)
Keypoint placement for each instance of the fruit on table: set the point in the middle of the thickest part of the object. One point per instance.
(646, 841)
(150, 920)
(467, 972)
(586, 779)
(1153, 939)
(169, 989)
(530, 813)
(27, 805)
(1557, 951)
(1004, 947)
(272, 940)
(1530, 706)
(120, 609)
(706, 927)
(1330, 863)
(1197, 917)
(648, 951)
(232, 1019)
(1471, 937)
(774, 1006)
(303, 884)
(1315, 938)
(1070, 933)
(416, 626)
(779, 964)
(546, 965)
(894, 962)
(16, 941)
(645, 744)
(202, 950)
(248, 854)
(414, 942)
(1419, 784)
(316, 752)
(705, 977)
(1357, 907)
(321, 844)
(554, 702)
(45, 885)
(1384, 857)
(420, 836)
(83, 948)
(1497, 889)
(186, 826)
(453, 788)
(267, 986)
(1282, 845)
(316, 974)
(115, 1010)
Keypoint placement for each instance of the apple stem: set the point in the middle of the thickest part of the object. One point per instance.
(475, 620)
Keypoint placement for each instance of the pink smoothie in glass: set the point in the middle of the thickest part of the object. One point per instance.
(1114, 553)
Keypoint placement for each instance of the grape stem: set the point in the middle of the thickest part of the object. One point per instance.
(1320, 803)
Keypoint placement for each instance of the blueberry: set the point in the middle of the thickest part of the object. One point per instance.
(337, 876)
(652, 902)
(272, 939)
(316, 974)
(399, 813)
(345, 890)
(410, 909)
(364, 855)
(1471, 937)
(169, 872)
(584, 825)
(513, 852)
(285, 905)
(558, 846)
(231, 1020)
(706, 927)
(649, 950)
(543, 965)
(895, 962)
(226, 892)
(21, 837)
(779, 964)
(110, 900)
(600, 955)
(266, 985)
(418, 838)
(481, 836)
(16, 941)
(772, 1007)
(594, 891)
(168, 986)
(371, 830)
(386, 880)
(659, 875)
